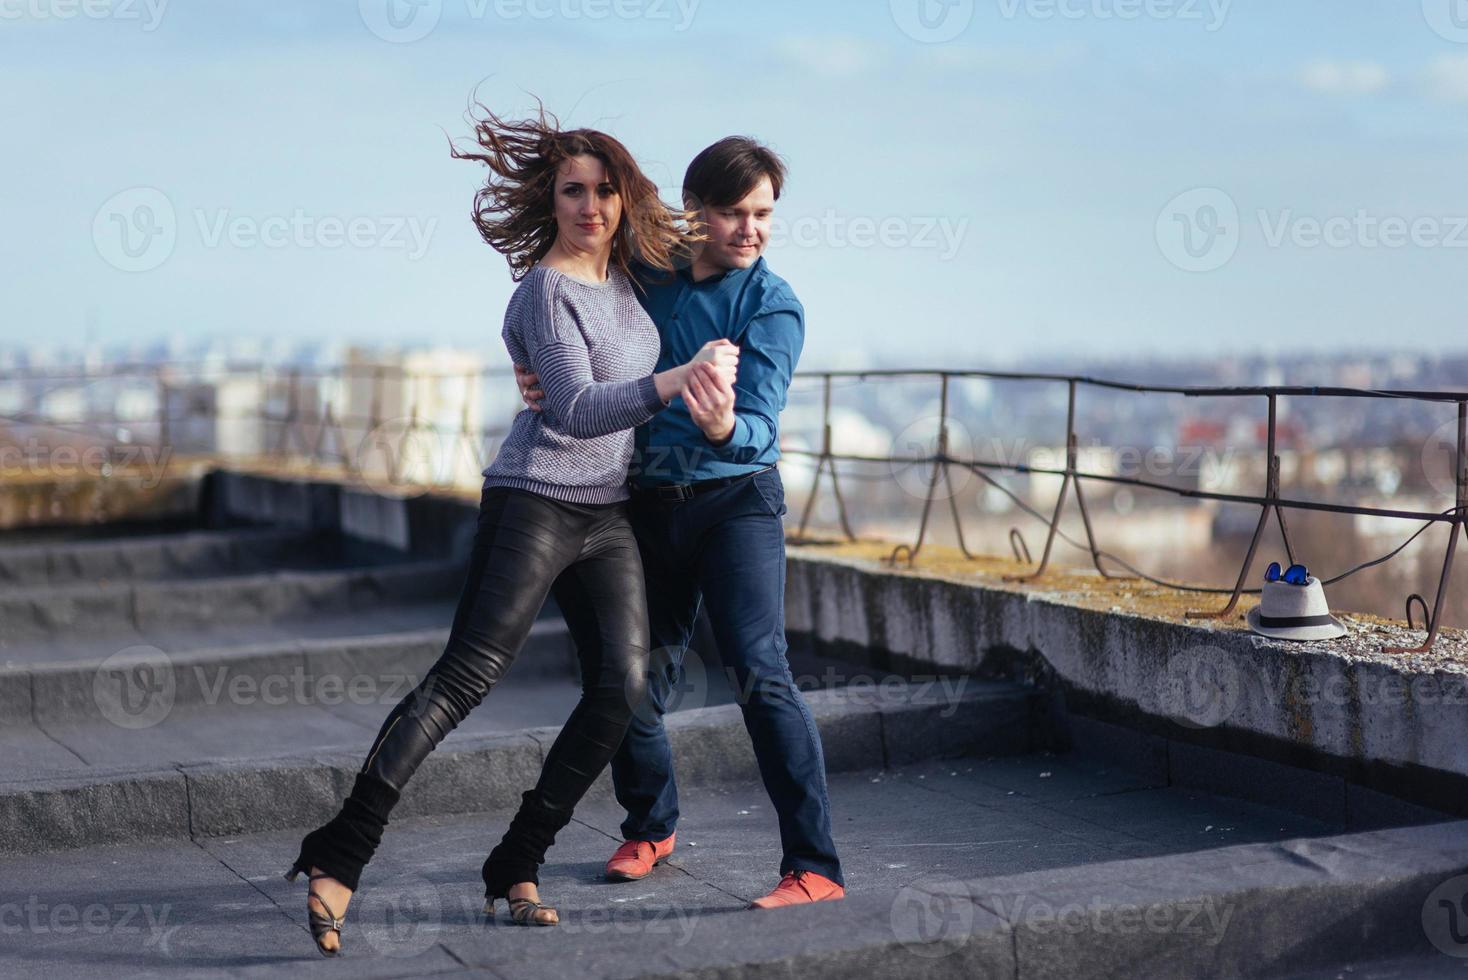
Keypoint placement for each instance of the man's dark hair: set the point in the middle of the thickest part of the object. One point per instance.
(726, 172)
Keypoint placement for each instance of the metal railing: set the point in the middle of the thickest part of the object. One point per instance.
(1270, 502)
(303, 427)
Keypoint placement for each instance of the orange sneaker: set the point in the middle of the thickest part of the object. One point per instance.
(798, 888)
(636, 858)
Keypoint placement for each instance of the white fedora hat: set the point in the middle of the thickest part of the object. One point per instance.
(1295, 612)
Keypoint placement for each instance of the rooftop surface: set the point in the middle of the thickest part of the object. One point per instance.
(222, 908)
(179, 703)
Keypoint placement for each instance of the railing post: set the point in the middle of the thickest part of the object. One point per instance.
(815, 485)
(1460, 482)
(165, 436)
(911, 553)
(827, 459)
(1271, 502)
(1070, 469)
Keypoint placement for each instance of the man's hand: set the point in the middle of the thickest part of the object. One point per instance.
(709, 395)
(530, 391)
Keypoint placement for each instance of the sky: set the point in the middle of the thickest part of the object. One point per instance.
(973, 182)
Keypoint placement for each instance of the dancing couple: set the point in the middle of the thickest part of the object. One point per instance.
(654, 350)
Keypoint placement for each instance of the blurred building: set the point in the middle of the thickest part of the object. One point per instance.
(411, 418)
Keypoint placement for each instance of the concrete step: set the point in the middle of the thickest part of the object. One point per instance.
(205, 772)
(1425, 966)
(186, 521)
(269, 701)
(49, 614)
(141, 683)
(952, 871)
(178, 556)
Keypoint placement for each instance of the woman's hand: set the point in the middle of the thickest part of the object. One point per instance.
(722, 355)
(531, 393)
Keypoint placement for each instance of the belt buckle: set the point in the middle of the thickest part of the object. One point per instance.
(675, 493)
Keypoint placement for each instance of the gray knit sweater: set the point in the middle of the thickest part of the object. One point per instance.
(594, 348)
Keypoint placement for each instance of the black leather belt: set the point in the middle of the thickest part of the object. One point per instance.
(674, 493)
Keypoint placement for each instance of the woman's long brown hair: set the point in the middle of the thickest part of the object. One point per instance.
(515, 209)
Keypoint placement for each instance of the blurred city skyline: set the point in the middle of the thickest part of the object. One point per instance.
(973, 184)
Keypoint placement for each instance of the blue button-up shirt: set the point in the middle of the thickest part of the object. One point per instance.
(755, 309)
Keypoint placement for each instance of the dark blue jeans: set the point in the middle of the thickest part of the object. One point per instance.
(725, 549)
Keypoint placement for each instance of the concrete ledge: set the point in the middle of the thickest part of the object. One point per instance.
(1332, 720)
(236, 796)
(136, 494)
(375, 518)
(428, 525)
(273, 500)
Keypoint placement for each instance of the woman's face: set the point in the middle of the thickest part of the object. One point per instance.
(588, 209)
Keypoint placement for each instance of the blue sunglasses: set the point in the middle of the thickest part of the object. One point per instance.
(1294, 575)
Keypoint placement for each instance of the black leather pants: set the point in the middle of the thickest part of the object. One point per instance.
(527, 545)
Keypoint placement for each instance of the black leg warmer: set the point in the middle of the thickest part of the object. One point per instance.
(344, 844)
(521, 852)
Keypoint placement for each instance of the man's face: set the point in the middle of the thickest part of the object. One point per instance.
(738, 233)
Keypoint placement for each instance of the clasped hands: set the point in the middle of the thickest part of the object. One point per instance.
(705, 383)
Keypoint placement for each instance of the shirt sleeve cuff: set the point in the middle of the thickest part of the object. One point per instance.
(737, 437)
(648, 388)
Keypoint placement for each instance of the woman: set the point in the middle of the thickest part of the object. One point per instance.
(567, 209)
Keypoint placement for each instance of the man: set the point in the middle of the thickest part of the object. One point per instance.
(706, 507)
